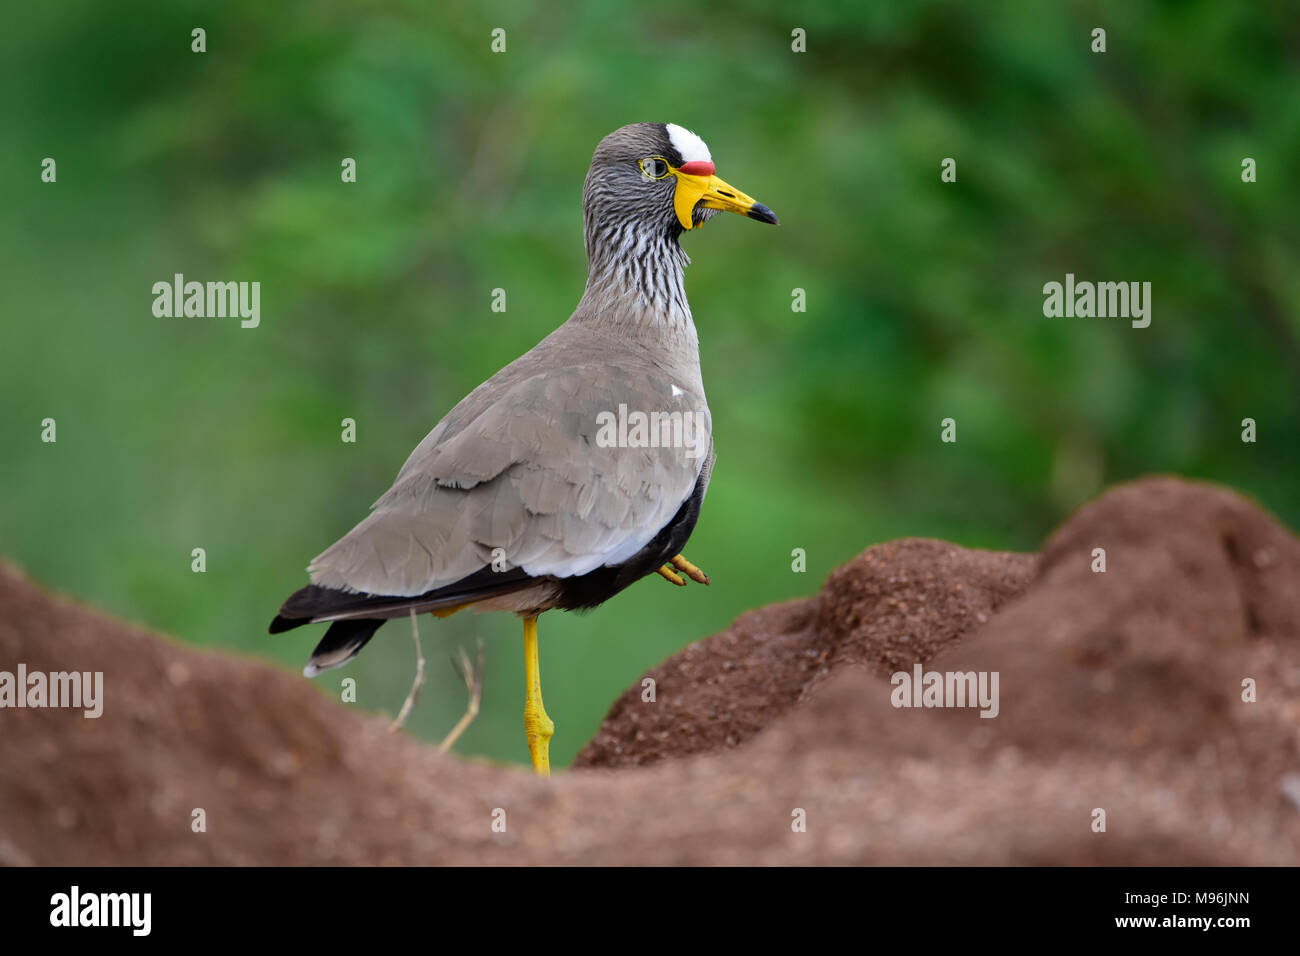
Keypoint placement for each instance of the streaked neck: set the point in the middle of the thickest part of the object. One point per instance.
(636, 277)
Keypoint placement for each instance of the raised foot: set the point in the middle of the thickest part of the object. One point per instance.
(690, 570)
(670, 575)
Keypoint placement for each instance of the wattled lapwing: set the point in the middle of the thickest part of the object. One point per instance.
(578, 468)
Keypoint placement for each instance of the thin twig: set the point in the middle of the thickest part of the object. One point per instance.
(472, 675)
(417, 685)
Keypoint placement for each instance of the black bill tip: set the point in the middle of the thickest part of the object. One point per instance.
(763, 214)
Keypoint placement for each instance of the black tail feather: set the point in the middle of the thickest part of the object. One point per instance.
(355, 616)
(314, 602)
(282, 624)
(342, 642)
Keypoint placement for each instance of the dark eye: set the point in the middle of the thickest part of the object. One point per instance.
(654, 167)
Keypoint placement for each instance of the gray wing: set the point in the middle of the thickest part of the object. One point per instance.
(522, 465)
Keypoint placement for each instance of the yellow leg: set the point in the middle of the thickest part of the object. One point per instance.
(690, 570)
(537, 725)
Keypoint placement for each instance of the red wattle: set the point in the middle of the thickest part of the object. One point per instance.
(700, 167)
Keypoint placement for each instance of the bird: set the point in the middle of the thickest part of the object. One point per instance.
(576, 470)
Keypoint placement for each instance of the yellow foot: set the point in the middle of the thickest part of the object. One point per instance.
(670, 575)
(690, 570)
(537, 725)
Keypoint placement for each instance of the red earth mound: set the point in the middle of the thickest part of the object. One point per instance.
(1118, 691)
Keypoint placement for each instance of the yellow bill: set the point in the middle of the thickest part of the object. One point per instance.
(696, 182)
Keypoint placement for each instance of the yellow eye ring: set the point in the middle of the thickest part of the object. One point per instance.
(655, 167)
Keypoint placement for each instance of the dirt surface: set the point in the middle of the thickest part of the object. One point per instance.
(891, 606)
(1119, 691)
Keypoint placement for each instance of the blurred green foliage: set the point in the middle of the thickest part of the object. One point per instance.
(924, 299)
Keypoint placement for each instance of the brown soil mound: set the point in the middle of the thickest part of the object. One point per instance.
(891, 606)
(1120, 691)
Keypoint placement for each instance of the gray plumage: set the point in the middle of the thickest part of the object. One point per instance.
(515, 474)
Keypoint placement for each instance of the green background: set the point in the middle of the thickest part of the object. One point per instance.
(924, 299)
